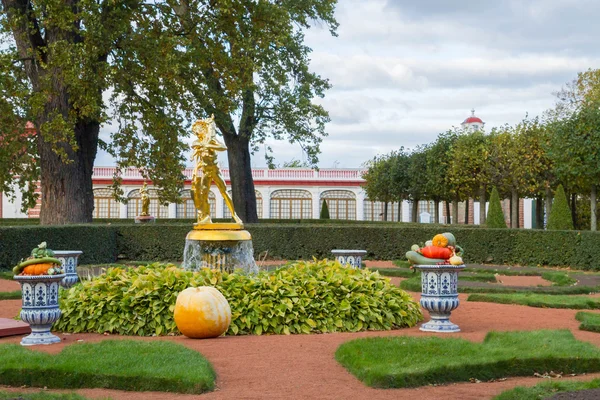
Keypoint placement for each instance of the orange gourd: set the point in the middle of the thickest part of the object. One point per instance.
(37, 269)
(202, 312)
(436, 252)
(440, 240)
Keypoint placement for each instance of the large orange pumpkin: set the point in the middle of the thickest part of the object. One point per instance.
(202, 312)
(436, 252)
(37, 269)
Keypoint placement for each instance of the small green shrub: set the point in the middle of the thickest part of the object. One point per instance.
(560, 215)
(495, 216)
(304, 297)
(324, 211)
(113, 364)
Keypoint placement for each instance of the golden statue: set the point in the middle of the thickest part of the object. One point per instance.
(206, 170)
(145, 201)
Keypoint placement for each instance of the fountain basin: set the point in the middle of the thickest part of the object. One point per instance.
(219, 248)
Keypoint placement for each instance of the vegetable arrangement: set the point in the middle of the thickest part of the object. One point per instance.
(442, 249)
(41, 262)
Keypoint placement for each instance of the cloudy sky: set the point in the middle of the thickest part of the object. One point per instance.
(405, 70)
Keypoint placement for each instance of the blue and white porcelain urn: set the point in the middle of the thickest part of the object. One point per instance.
(69, 260)
(40, 307)
(350, 258)
(439, 295)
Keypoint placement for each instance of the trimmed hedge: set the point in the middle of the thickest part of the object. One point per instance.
(98, 243)
(156, 242)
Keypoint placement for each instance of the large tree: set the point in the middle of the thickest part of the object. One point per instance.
(158, 63)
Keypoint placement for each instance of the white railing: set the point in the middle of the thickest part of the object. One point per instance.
(282, 174)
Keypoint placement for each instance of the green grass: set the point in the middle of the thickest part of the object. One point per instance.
(42, 396)
(558, 278)
(6, 274)
(10, 295)
(589, 321)
(111, 364)
(539, 300)
(546, 389)
(413, 284)
(395, 362)
(478, 277)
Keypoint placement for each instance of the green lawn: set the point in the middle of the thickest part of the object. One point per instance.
(589, 321)
(10, 295)
(546, 389)
(6, 274)
(395, 362)
(540, 300)
(112, 364)
(42, 396)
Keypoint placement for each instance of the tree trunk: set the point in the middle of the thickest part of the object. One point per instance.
(385, 210)
(539, 213)
(482, 201)
(67, 189)
(242, 184)
(447, 221)
(399, 210)
(514, 209)
(548, 201)
(574, 209)
(467, 211)
(455, 210)
(593, 209)
(415, 211)
(436, 211)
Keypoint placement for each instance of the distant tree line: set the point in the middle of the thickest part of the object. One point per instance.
(526, 160)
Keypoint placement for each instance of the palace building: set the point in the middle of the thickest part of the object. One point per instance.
(284, 193)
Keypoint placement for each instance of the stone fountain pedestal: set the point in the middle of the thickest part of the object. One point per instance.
(223, 246)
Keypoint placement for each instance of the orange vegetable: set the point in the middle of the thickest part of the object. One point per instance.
(37, 269)
(202, 312)
(436, 252)
(440, 241)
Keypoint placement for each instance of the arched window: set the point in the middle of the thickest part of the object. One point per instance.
(341, 204)
(291, 204)
(259, 205)
(105, 205)
(374, 211)
(187, 209)
(134, 204)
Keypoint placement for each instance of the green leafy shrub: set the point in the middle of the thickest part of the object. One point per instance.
(302, 298)
(495, 216)
(324, 211)
(560, 215)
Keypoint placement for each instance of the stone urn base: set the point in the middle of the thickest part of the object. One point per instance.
(40, 307)
(144, 219)
(439, 296)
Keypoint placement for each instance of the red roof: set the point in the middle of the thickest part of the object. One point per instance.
(470, 120)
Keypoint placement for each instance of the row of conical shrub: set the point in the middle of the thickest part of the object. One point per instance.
(559, 218)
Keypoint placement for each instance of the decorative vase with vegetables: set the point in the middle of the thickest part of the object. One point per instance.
(439, 262)
(39, 276)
